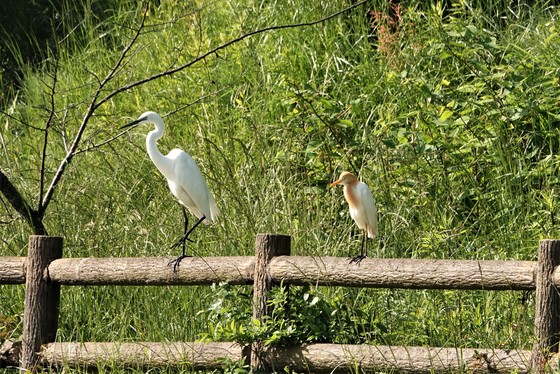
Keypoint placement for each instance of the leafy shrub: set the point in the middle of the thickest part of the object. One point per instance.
(300, 314)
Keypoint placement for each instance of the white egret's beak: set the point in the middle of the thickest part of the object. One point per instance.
(133, 123)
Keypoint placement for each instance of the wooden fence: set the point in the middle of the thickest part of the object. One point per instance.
(44, 271)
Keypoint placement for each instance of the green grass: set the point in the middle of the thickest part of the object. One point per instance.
(451, 119)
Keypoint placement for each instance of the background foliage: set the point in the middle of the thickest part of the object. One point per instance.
(449, 113)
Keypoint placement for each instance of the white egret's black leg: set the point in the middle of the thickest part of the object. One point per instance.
(182, 241)
(363, 254)
(187, 233)
(185, 229)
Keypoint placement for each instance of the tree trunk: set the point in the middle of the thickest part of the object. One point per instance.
(40, 313)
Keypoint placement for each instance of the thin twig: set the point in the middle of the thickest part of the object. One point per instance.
(89, 113)
(183, 107)
(328, 125)
(6, 114)
(220, 47)
(46, 134)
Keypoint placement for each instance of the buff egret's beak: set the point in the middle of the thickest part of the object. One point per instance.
(335, 183)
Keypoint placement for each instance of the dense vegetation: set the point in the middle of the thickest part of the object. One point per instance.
(450, 115)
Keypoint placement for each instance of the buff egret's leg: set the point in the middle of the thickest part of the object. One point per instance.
(363, 254)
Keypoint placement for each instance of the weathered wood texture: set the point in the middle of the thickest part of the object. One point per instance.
(271, 264)
(336, 358)
(314, 358)
(12, 270)
(266, 247)
(394, 273)
(555, 276)
(371, 272)
(152, 271)
(199, 355)
(547, 305)
(405, 273)
(9, 354)
(42, 297)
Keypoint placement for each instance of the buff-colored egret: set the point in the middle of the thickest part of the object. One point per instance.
(362, 208)
(184, 179)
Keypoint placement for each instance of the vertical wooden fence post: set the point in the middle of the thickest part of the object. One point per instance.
(547, 305)
(42, 297)
(266, 247)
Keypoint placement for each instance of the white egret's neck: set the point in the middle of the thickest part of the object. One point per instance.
(161, 162)
(154, 135)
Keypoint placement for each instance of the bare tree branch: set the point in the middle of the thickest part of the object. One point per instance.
(89, 113)
(46, 135)
(19, 120)
(182, 107)
(223, 46)
(17, 201)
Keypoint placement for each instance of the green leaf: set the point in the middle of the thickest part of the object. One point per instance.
(345, 123)
(445, 115)
(389, 142)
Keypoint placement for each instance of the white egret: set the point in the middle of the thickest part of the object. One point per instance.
(362, 208)
(183, 177)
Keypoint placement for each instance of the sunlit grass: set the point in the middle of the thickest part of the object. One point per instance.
(456, 141)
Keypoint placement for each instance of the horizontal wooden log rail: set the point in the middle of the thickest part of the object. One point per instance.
(199, 356)
(346, 358)
(371, 272)
(405, 273)
(151, 271)
(44, 271)
(12, 270)
(315, 358)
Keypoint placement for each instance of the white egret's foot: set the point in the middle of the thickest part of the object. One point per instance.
(182, 242)
(358, 259)
(177, 261)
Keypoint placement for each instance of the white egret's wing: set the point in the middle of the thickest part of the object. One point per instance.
(195, 194)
